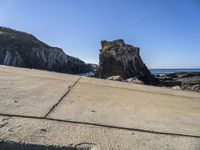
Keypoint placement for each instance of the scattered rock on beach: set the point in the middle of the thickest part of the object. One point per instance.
(134, 80)
(115, 78)
(196, 88)
(186, 81)
(176, 87)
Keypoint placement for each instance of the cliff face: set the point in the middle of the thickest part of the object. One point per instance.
(118, 58)
(24, 50)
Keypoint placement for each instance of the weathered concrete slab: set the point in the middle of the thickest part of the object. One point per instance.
(130, 109)
(137, 87)
(39, 111)
(29, 95)
(38, 73)
(37, 134)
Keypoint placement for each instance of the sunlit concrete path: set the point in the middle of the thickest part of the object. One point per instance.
(47, 110)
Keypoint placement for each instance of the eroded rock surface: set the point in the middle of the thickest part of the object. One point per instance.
(186, 81)
(24, 50)
(118, 58)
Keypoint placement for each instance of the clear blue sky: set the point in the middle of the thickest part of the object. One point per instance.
(167, 31)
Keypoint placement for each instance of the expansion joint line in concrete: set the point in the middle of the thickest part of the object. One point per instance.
(64, 95)
(103, 125)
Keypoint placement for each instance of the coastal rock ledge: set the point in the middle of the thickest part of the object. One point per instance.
(118, 58)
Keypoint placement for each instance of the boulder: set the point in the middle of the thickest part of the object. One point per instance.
(196, 88)
(134, 80)
(115, 78)
(118, 58)
(176, 88)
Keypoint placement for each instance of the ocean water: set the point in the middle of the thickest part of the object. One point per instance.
(166, 71)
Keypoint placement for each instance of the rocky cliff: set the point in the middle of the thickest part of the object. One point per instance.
(24, 50)
(118, 58)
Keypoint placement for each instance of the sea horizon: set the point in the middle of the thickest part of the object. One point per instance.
(172, 70)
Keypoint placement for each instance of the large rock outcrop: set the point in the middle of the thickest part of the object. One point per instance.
(118, 58)
(24, 50)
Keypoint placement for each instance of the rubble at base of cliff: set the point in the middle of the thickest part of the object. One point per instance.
(177, 81)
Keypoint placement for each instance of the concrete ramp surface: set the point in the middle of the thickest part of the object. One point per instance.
(47, 110)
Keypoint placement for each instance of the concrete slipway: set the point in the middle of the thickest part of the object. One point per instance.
(45, 110)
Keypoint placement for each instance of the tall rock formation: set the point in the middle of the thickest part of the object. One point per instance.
(118, 58)
(24, 50)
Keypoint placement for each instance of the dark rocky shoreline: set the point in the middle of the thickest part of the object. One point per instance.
(181, 80)
(178, 81)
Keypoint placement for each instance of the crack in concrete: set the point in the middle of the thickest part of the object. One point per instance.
(106, 126)
(3, 124)
(65, 94)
